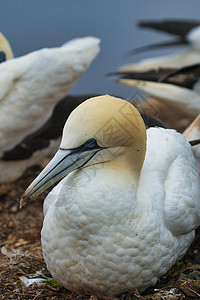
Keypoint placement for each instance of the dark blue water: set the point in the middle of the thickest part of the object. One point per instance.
(34, 24)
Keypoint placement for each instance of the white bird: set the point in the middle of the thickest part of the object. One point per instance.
(5, 49)
(128, 203)
(36, 148)
(185, 99)
(188, 32)
(40, 146)
(30, 88)
(31, 85)
(178, 88)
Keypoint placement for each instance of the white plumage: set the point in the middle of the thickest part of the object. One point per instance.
(182, 98)
(11, 170)
(186, 100)
(180, 59)
(31, 85)
(30, 88)
(124, 213)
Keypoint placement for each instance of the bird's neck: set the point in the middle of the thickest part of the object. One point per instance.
(125, 169)
(100, 193)
(109, 185)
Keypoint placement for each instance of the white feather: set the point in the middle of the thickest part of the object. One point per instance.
(31, 85)
(121, 238)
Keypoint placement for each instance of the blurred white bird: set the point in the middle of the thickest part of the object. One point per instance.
(124, 211)
(30, 88)
(187, 33)
(178, 99)
(178, 88)
(40, 146)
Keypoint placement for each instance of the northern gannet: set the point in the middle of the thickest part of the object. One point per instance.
(178, 88)
(181, 29)
(5, 49)
(186, 31)
(38, 146)
(30, 88)
(128, 203)
(43, 143)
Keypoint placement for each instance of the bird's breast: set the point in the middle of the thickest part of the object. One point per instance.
(99, 239)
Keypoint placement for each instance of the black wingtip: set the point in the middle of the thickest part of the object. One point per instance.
(190, 70)
(194, 142)
(112, 74)
(151, 75)
(179, 42)
(178, 27)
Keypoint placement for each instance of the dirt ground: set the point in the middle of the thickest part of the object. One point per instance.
(21, 255)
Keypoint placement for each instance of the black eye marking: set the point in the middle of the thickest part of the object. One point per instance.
(2, 57)
(91, 144)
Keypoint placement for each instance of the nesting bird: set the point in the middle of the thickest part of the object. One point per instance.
(128, 203)
(30, 88)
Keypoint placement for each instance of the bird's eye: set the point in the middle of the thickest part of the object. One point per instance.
(2, 57)
(91, 143)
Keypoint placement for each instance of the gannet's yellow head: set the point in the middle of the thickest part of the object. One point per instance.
(111, 121)
(5, 49)
(102, 129)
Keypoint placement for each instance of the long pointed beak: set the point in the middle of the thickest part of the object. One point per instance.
(63, 163)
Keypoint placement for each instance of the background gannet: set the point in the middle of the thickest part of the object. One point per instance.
(186, 31)
(41, 144)
(5, 49)
(33, 84)
(30, 88)
(178, 88)
(181, 29)
(124, 211)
